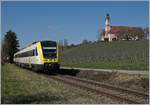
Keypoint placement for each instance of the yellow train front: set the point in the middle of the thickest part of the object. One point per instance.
(39, 56)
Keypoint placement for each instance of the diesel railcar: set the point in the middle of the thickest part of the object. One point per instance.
(39, 56)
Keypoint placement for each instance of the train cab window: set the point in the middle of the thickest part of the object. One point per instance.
(49, 53)
(49, 49)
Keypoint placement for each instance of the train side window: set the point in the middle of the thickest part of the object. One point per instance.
(33, 52)
(36, 53)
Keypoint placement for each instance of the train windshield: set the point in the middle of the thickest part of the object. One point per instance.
(49, 49)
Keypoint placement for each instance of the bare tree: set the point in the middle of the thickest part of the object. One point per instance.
(101, 32)
(65, 42)
(146, 32)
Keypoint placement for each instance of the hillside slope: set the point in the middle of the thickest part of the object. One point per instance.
(115, 55)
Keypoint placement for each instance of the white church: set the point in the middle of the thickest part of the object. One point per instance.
(112, 32)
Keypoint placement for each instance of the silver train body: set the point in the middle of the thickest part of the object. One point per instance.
(39, 56)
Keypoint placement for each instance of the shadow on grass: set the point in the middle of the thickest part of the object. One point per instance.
(42, 98)
(72, 72)
(89, 74)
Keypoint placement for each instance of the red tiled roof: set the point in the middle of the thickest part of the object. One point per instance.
(116, 29)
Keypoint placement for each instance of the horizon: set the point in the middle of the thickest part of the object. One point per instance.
(71, 20)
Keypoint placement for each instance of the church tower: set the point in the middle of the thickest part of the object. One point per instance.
(109, 34)
(107, 25)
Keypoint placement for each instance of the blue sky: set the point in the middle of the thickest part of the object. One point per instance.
(74, 21)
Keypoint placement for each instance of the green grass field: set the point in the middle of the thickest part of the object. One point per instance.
(21, 86)
(129, 55)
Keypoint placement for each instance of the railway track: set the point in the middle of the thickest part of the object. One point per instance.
(121, 94)
(139, 97)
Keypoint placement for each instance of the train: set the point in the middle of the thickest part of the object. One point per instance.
(39, 56)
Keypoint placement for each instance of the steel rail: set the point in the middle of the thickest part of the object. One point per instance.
(93, 89)
(109, 86)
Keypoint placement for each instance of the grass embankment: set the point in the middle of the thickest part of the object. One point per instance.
(129, 55)
(20, 86)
